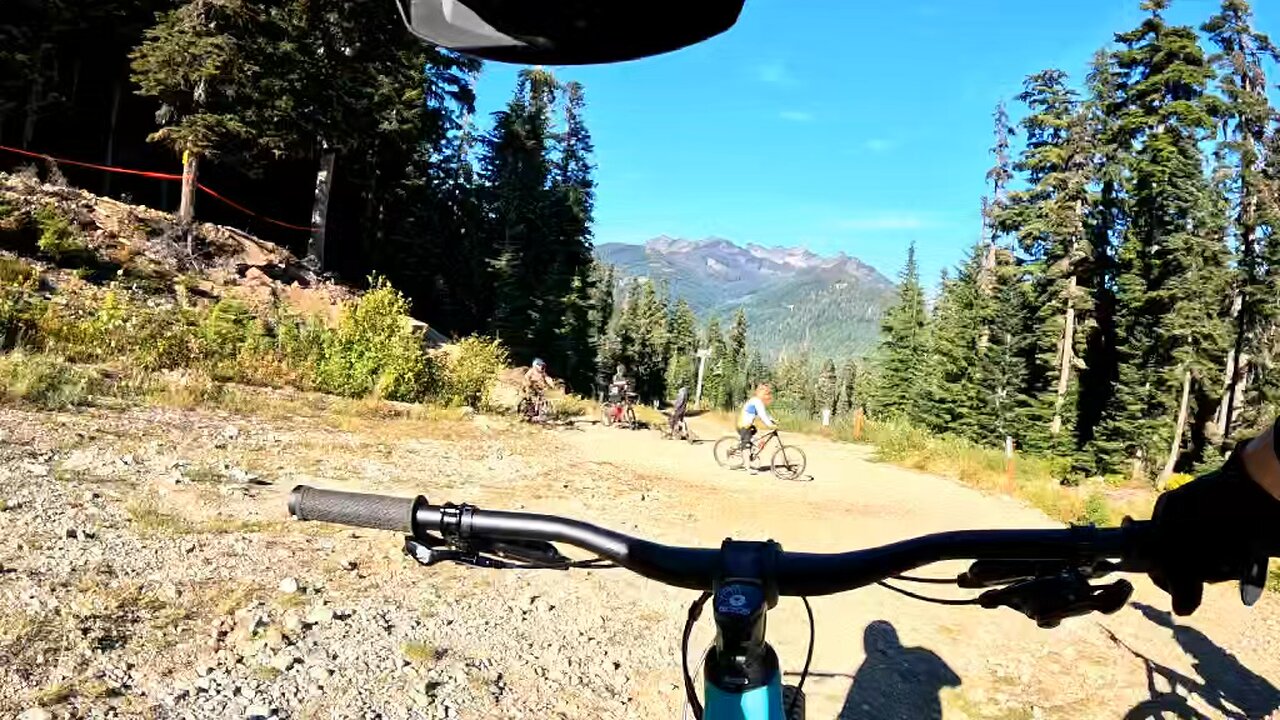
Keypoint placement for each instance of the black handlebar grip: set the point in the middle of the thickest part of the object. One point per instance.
(378, 512)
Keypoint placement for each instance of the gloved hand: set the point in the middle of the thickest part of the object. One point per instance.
(1210, 530)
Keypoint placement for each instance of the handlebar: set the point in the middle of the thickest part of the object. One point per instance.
(795, 573)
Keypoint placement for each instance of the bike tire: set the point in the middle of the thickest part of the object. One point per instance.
(606, 415)
(792, 693)
(631, 418)
(728, 452)
(689, 436)
(788, 462)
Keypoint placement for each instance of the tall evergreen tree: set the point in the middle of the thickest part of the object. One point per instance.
(1242, 52)
(192, 63)
(961, 322)
(904, 347)
(1172, 257)
(849, 396)
(682, 368)
(1048, 220)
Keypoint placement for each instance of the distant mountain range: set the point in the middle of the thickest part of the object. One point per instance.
(794, 299)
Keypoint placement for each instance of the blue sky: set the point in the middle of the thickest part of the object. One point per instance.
(830, 124)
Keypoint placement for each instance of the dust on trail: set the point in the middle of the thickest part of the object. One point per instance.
(149, 570)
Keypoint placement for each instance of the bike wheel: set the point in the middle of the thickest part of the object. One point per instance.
(788, 462)
(688, 433)
(630, 418)
(728, 452)
(606, 415)
(792, 694)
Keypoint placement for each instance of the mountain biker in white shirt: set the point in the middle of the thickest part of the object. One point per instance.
(754, 413)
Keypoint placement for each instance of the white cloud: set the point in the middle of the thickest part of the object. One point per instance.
(774, 73)
(884, 222)
(879, 145)
(796, 115)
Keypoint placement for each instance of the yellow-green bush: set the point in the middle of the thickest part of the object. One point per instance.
(16, 272)
(468, 372)
(44, 381)
(373, 351)
(1095, 511)
(1177, 480)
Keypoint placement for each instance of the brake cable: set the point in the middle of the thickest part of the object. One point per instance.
(926, 598)
(808, 658)
(925, 580)
(695, 612)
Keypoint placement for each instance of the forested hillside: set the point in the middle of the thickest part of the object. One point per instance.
(1122, 309)
(343, 136)
(796, 301)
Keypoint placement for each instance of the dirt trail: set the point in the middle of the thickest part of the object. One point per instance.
(149, 570)
(993, 663)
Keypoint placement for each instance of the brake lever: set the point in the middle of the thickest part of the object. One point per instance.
(1050, 600)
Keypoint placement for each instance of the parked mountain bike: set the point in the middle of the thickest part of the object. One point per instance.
(1044, 574)
(681, 431)
(787, 462)
(620, 412)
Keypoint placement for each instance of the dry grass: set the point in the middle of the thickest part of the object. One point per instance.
(420, 653)
(149, 518)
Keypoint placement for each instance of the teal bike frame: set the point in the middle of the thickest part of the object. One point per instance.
(757, 704)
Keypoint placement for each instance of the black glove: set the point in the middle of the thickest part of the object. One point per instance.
(1210, 530)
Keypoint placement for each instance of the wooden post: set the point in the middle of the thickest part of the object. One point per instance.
(858, 418)
(190, 169)
(1009, 469)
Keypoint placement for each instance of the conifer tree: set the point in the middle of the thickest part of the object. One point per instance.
(904, 346)
(1171, 260)
(1242, 52)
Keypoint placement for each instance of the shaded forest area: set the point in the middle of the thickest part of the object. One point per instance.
(325, 114)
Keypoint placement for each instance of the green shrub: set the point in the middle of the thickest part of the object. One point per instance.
(58, 237)
(469, 371)
(374, 351)
(45, 381)
(896, 440)
(224, 329)
(1096, 511)
(16, 272)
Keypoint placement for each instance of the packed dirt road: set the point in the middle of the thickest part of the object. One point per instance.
(149, 570)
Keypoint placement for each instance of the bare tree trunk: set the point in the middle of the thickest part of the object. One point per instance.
(1066, 356)
(33, 102)
(320, 209)
(1176, 445)
(187, 205)
(111, 136)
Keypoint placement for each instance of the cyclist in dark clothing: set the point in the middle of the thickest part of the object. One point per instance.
(678, 409)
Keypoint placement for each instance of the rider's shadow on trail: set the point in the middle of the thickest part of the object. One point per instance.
(896, 682)
(1227, 685)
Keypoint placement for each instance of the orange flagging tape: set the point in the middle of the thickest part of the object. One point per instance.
(126, 171)
(154, 175)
